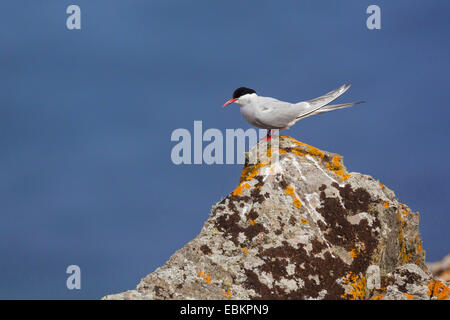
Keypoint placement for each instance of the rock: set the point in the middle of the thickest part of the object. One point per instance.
(441, 269)
(299, 226)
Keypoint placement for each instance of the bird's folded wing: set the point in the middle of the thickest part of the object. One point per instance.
(317, 103)
(275, 114)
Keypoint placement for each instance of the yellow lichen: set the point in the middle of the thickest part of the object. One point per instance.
(304, 220)
(244, 250)
(205, 276)
(438, 289)
(307, 149)
(404, 256)
(227, 294)
(354, 253)
(359, 247)
(297, 203)
(291, 191)
(301, 149)
(249, 172)
(419, 246)
(337, 167)
(240, 187)
(358, 286)
(404, 209)
(414, 245)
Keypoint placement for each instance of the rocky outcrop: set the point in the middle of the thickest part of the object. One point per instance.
(299, 226)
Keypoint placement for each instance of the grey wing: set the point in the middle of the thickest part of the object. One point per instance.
(331, 107)
(276, 114)
(320, 102)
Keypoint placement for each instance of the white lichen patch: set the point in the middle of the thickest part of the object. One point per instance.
(356, 218)
(251, 262)
(289, 285)
(241, 237)
(322, 170)
(266, 278)
(290, 269)
(315, 278)
(312, 202)
(373, 277)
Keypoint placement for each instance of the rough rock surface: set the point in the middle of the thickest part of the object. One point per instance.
(299, 226)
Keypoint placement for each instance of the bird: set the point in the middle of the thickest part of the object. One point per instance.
(270, 113)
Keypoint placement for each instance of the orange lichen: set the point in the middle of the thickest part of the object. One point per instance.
(358, 286)
(227, 294)
(205, 276)
(297, 203)
(240, 187)
(359, 247)
(291, 191)
(381, 185)
(337, 167)
(419, 245)
(252, 222)
(303, 220)
(405, 257)
(249, 172)
(315, 152)
(404, 209)
(414, 245)
(438, 289)
(354, 253)
(419, 250)
(244, 250)
(386, 204)
(307, 149)
(409, 296)
(379, 297)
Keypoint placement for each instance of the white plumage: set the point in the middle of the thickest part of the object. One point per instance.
(270, 113)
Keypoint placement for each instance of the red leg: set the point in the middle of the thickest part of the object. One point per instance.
(269, 135)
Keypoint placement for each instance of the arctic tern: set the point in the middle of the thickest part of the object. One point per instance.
(270, 113)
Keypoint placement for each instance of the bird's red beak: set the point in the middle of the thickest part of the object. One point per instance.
(229, 102)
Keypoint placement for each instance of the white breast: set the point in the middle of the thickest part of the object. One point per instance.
(250, 113)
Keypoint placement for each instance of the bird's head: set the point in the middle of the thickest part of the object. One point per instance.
(241, 96)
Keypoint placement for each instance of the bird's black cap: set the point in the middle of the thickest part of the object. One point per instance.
(241, 91)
